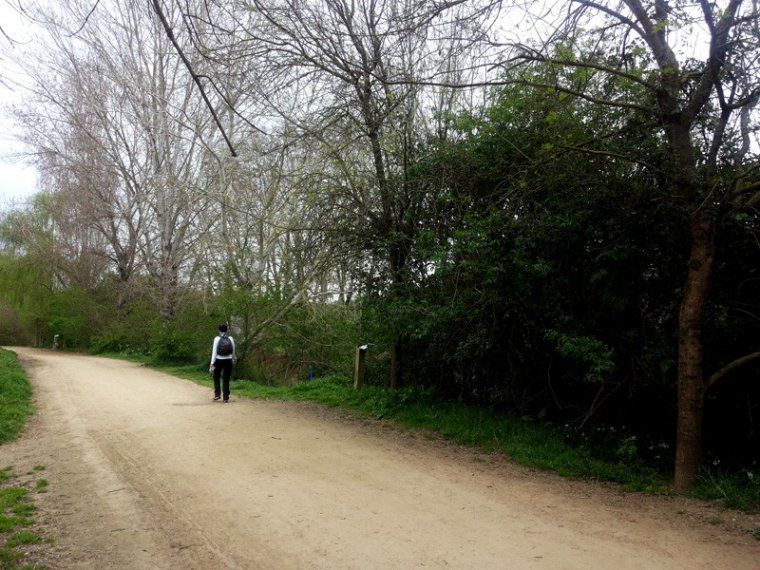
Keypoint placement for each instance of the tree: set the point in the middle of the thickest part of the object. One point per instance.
(342, 75)
(624, 56)
(119, 94)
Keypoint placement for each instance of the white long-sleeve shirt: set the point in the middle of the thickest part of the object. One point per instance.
(215, 356)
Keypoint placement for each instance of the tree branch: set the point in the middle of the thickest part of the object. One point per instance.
(583, 64)
(613, 13)
(196, 78)
(610, 155)
(729, 367)
(527, 83)
(719, 46)
(86, 19)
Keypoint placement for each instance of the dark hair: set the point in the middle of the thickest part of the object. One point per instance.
(223, 327)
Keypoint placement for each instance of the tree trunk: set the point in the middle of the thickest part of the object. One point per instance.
(169, 281)
(691, 384)
(123, 285)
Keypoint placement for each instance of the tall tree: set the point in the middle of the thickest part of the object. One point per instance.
(341, 74)
(626, 55)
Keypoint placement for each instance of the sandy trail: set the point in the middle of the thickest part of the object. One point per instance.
(146, 471)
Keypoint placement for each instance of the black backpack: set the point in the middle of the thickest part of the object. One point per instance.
(224, 348)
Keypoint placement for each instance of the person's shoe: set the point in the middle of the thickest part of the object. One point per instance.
(216, 398)
(226, 400)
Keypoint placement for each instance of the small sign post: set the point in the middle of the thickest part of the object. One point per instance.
(361, 354)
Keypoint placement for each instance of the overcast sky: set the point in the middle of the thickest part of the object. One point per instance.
(17, 179)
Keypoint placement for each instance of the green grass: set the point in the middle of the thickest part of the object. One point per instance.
(530, 443)
(15, 397)
(21, 538)
(16, 510)
(9, 557)
(736, 490)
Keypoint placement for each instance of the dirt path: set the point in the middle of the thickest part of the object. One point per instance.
(146, 471)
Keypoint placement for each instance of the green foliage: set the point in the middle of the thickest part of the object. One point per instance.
(739, 490)
(589, 351)
(22, 538)
(12, 330)
(16, 510)
(76, 315)
(23, 298)
(171, 342)
(547, 281)
(322, 337)
(305, 335)
(127, 331)
(15, 397)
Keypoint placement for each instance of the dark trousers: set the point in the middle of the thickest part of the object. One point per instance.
(223, 368)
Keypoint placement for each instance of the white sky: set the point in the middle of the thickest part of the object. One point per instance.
(18, 181)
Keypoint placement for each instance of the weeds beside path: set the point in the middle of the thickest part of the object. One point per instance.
(15, 397)
(18, 545)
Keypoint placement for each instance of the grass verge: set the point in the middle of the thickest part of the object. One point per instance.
(16, 510)
(530, 443)
(737, 491)
(15, 397)
(16, 505)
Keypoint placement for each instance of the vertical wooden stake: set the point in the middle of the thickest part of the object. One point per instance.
(361, 353)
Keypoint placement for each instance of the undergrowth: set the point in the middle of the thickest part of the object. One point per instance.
(15, 397)
(16, 510)
(16, 505)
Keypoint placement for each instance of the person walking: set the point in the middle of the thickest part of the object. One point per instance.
(222, 356)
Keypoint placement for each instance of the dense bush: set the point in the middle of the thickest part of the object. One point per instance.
(554, 290)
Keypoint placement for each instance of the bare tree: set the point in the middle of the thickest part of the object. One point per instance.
(342, 76)
(119, 90)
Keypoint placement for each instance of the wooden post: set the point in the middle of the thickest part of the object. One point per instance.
(361, 354)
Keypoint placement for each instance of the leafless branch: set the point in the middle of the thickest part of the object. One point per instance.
(86, 19)
(196, 78)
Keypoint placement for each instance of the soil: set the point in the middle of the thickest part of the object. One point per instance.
(146, 471)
